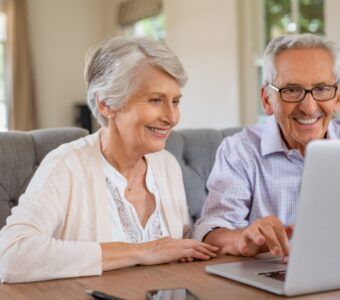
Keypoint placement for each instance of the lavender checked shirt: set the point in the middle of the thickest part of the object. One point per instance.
(254, 175)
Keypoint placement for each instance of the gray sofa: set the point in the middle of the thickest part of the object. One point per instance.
(195, 151)
(20, 155)
(22, 152)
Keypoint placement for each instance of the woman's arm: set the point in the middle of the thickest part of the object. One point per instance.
(118, 255)
(30, 251)
(50, 234)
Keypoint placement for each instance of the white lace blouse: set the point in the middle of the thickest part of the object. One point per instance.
(128, 227)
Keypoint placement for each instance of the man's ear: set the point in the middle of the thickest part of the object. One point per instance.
(337, 102)
(104, 109)
(267, 105)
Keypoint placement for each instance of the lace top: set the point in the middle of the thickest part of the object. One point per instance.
(128, 227)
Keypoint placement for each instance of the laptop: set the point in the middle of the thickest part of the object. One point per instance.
(314, 261)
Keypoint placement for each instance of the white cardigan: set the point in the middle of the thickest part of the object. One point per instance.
(62, 217)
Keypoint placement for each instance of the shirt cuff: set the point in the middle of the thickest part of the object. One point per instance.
(203, 227)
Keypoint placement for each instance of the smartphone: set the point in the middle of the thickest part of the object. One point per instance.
(171, 294)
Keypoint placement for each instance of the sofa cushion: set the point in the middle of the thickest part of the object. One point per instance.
(195, 151)
(21, 154)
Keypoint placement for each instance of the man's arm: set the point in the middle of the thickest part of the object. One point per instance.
(230, 204)
(266, 234)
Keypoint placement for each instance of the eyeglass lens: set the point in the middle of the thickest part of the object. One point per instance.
(319, 93)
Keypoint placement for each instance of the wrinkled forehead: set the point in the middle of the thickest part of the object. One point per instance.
(306, 67)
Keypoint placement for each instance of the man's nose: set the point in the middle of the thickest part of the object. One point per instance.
(308, 104)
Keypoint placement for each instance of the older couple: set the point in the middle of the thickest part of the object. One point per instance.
(116, 198)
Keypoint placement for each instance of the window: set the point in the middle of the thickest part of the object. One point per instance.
(153, 27)
(3, 100)
(293, 16)
(142, 18)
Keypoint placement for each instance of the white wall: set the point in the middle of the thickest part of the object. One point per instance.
(251, 47)
(216, 40)
(202, 33)
(204, 36)
(61, 31)
(332, 25)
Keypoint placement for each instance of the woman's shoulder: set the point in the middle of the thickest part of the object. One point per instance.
(66, 158)
(163, 164)
(163, 157)
(83, 144)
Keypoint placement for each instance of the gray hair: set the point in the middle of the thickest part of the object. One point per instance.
(298, 41)
(111, 65)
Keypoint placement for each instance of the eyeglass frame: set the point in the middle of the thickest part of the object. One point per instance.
(306, 91)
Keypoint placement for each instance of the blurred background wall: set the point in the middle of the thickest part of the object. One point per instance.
(220, 43)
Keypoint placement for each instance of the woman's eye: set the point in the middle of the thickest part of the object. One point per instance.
(155, 100)
(175, 102)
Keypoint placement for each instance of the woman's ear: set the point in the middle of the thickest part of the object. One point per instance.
(104, 109)
(266, 102)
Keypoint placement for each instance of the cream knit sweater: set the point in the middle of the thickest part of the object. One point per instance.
(62, 217)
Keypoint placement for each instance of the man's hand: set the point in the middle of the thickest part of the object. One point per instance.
(266, 234)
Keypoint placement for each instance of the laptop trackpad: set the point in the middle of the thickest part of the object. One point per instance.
(252, 268)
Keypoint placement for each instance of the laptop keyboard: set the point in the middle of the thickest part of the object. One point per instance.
(278, 275)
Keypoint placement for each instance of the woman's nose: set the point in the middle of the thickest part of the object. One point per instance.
(171, 115)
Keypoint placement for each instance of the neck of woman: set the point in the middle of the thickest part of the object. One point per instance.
(123, 160)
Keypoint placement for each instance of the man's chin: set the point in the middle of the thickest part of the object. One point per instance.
(307, 135)
(305, 141)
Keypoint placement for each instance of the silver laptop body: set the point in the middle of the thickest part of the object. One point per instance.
(314, 261)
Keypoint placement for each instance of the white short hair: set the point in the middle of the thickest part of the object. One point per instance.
(298, 41)
(111, 65)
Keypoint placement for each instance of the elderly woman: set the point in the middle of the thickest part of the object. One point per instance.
(114, 198)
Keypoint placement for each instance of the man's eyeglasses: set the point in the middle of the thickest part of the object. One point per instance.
(298, 93)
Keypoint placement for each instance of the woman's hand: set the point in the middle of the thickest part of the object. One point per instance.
(117, 255)
(168, 249)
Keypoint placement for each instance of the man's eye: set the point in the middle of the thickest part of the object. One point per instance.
(292, 90)
(322, 88)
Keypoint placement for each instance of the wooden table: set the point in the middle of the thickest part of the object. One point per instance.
(132, 283)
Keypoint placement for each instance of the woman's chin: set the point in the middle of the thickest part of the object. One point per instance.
(156, 147)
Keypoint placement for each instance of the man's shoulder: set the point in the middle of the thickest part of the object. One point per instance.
(336, 127)
(248, 138)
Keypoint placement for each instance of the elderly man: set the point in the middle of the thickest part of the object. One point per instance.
(255, 182)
